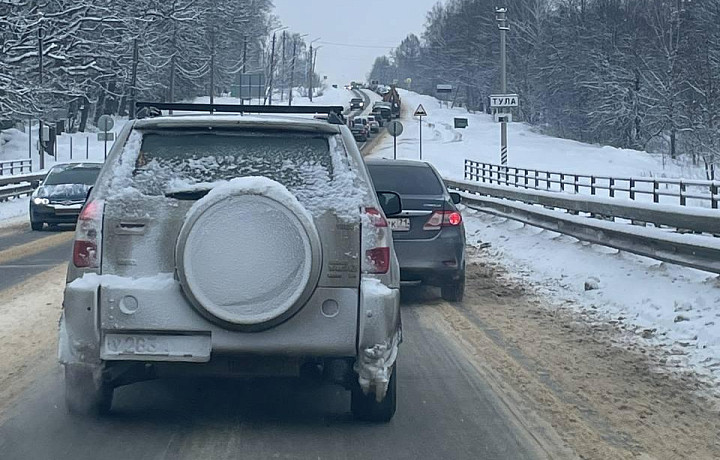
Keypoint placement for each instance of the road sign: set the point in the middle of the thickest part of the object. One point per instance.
(420, 111)
(395, 128)
(503, 100)
(106, 123)
(105, 137)
(461, 122)
(444, 88)
(252, 86)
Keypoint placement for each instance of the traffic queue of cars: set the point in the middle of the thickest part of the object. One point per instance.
(286, 258)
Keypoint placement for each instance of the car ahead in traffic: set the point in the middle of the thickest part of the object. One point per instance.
(359, 131)
(59, 197)
(357, 103)
(383, 111)
(233, 246)
(429, 234)
(374, 125)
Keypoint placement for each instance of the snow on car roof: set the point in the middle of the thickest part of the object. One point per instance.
(296, 123)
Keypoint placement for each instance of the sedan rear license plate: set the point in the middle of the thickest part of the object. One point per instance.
(156, 347)
(399, 225)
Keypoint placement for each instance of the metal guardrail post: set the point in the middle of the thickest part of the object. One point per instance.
(682, 193)
(577, 186)
(562, 182)
(611, 187)
(656, 187)
(592, 185)
(714, 196)
(631, 189)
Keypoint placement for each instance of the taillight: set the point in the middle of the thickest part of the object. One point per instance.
(86, 253)
(441, 219)
(376, 242)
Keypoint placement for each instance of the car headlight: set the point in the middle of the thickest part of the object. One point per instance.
(41, 201)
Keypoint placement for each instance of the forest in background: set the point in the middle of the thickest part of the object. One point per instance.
(641, 74)
(88, 48)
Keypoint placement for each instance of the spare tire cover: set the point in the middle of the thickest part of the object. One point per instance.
(248, 259)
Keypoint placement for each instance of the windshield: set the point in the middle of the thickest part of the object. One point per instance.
(72, 175)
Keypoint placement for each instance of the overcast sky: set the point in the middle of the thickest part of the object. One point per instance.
(352, 33)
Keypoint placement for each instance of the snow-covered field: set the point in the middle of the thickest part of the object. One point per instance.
(675, 308)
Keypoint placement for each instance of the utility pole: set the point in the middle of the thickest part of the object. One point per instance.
(283, 67)
(500, 16)
(41, 38)
(310, 74)
(292, 71)
(244, 70)
(212, 69)
(133, 78)
(272, 70)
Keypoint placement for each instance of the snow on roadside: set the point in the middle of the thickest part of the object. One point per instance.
(447, 147)
(675, 308)
(14, 211)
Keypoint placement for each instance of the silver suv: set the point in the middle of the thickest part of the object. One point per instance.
(233, 246)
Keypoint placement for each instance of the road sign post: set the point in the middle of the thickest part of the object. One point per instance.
(105, 123)
(502, 25)
(395, 128)
(420, 112)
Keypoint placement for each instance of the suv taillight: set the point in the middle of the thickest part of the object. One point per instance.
(86, 252)
(376, 243)
(441, 219)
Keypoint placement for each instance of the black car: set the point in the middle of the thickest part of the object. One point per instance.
(429, 235)
(356, 103)
(59, 198)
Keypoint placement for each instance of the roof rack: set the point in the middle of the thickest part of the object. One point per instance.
(154, 108)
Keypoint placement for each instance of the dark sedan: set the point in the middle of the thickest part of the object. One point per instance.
(429, 234)
(60, 196)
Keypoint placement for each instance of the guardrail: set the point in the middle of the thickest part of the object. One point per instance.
(561, 213)
(13, 167)
(704, 192)
(17, 186)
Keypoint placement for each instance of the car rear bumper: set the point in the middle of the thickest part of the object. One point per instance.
(437, 261)
(96, 322)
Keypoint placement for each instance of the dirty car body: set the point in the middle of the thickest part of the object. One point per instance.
(232, 246)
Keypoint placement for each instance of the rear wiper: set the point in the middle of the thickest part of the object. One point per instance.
(188, 195)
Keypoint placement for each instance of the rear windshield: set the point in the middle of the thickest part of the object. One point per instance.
(406, 180)
(169, 159)
(72, 175)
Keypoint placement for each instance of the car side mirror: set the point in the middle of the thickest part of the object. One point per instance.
(455, 197)
(87, 197)
(35, 183)
(390, 203)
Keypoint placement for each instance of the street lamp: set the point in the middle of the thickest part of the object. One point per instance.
(311, 70)
(292, 67)
(272, 63)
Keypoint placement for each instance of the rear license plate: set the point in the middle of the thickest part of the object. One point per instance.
(399, 225)
(155, 347)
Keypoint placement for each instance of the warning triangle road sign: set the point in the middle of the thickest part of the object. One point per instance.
(420, 111)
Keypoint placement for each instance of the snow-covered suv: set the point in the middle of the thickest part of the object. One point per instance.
(233, 245)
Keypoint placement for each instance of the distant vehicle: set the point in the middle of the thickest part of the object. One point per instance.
(59, 198)
(374, 125)
(357, 103)
(359, 131)
(393, 98)
(383, 112)
(429, 234)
